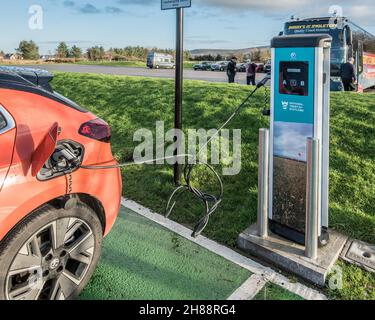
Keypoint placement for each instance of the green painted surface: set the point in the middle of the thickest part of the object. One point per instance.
(274, 292)
(142, 260)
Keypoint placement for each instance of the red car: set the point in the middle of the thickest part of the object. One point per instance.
(53, 212)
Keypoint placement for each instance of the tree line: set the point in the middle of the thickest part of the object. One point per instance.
(256, 55)
(29, 50)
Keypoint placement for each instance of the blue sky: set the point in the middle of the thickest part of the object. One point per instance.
(226, 24)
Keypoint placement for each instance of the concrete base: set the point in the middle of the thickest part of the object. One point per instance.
(290, 256)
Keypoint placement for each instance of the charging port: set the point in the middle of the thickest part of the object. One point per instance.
(67, 157)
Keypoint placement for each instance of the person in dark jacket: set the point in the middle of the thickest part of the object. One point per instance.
(231, 70)
(348, 75)
(251, 70)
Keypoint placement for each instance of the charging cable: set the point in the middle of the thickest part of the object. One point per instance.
(210, 201)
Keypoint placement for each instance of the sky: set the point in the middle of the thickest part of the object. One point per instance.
(209, 24)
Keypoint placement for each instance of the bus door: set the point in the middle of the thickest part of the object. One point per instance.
(359, 63)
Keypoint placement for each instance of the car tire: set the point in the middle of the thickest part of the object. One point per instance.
(58, 272)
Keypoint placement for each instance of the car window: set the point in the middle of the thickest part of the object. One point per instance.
(3, 122)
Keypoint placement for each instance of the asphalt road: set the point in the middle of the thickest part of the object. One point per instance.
(145, 72)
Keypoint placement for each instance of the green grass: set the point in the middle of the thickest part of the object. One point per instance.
(129, 104)
(274, 292)
(137, 64)
(357, 284)
(156, 264)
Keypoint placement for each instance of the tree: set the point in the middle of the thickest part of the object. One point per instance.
(96, 53)
(28, 50)
(265, 55)
(75, 52)
(62, 50)
(255, 55)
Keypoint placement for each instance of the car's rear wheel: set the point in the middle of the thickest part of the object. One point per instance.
(51, 255)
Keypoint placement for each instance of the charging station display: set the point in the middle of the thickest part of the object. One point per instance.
(294, 78)
(297, 113)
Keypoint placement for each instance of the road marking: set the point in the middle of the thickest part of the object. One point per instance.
(249, 289)
(267, 273)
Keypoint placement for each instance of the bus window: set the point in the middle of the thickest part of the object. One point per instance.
(359, 59)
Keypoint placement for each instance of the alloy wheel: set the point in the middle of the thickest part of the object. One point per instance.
(52, 263)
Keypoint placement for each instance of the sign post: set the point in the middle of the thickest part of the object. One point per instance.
(179, 5)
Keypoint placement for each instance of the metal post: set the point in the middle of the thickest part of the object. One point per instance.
(264, 143)
(179, 86)
(312, 198)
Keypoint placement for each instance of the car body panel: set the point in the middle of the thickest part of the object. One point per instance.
(22, 193)
(7, 140)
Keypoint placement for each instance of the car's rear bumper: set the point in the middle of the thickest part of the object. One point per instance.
(109, 192)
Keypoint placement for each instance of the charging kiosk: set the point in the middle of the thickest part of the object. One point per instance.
(294, 164)
(300, 88)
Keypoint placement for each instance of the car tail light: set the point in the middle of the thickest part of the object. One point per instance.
(96, 129)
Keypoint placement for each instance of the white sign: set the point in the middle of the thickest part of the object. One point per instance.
(175, 4)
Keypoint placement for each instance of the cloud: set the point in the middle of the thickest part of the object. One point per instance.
(91, 9)
(113, 10)
(69, 3)
(136, 2)
(358, 10)
(264, 5)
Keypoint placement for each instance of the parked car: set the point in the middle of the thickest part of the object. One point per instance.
(220, 66)
(260, 68)
(53, 213)
(241, 67)
(267, 67)
(204, 66)
(160, 60)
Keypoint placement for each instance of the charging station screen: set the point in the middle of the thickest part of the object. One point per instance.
(294, 78)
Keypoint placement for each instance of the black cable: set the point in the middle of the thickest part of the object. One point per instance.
(210, 201)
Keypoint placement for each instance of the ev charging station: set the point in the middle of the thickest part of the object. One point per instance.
(299, 110)
(293, 202)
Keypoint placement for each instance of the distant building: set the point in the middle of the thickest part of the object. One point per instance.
(12, 56)
(48, 57)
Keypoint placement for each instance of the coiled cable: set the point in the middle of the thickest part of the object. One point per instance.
(211, 202)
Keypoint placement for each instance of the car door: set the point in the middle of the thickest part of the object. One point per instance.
(7, 140)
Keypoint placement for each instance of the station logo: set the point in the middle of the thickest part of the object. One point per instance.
(285, 104)
(293, 56)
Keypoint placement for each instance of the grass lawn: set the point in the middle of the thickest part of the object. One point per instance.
(138, 64)
(129, 104)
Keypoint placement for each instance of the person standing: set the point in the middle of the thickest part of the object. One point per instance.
(231, 69)
(251, 70)
(348, 75)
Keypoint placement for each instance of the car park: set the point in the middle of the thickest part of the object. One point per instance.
(260, 67)
(204, 66)
(241, 67)
(267, 67)
(220, 66)
(53, 212)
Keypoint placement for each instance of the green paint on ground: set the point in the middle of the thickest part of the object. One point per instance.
(274, 292)
(142, 260)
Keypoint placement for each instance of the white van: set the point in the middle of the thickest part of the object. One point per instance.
(160, 60)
